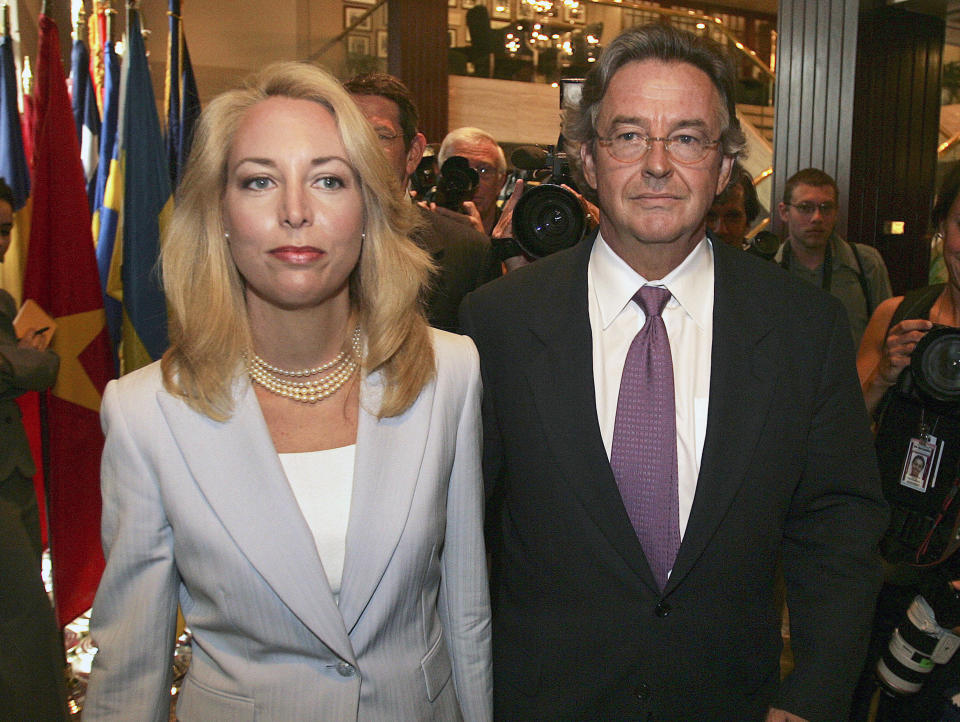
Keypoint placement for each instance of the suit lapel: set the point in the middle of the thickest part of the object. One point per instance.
(388, 460)
(560, 374)
(743, 375)
(236, 467)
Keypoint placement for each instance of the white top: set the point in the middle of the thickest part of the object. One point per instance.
(322, 482)
(614, 321)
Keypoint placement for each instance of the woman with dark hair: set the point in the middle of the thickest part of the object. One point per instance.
(900, 322)
(301, 471)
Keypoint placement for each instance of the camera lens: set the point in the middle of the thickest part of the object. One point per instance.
(936, 363)
(547, 219)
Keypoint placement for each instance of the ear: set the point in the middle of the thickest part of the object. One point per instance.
(782, 210)
(415, 153)
(726, 167)
(588, 164)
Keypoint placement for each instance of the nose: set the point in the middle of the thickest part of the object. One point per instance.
(656, 162)
(297, 210)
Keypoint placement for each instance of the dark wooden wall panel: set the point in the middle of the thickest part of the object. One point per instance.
(417, 54)
(893, 149)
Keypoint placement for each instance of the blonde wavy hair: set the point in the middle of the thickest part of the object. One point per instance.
(209, 326)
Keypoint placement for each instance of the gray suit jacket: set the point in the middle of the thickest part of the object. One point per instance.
(200, 512)
(21, 370)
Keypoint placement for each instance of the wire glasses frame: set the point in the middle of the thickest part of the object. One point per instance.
(629, 147)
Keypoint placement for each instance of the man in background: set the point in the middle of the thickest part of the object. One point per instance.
(485, 156)
(463, 254)
(853, 272)
(734, 209)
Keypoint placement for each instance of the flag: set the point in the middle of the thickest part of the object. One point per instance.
(182, 99)
(61, 275)
(14, 170)
(139, 190)
(105, 218)
(86, 114)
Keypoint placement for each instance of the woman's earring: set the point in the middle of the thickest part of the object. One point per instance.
(226, 235)
(363, 237)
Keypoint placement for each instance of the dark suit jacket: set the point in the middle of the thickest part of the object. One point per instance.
(20, 370)
(465, 261)
(580, 628)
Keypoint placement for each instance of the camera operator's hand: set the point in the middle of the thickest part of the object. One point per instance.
(882, 356)
(591, 212)
(470, 216)
(37, 339)
(504, 227)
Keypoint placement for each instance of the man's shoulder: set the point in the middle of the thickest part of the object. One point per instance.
(546, 279)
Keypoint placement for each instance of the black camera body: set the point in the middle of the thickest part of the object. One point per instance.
(548, 217)
(456, 183)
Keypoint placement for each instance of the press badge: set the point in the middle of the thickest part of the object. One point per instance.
(921, 463)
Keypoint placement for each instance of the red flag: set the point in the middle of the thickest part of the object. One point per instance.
(61, 276)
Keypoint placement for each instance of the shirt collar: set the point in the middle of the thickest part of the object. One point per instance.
(615, 282)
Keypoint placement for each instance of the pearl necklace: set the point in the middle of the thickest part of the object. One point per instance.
(338, 372)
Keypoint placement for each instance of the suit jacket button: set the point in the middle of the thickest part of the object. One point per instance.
(663, 609)
(345, 669)
(642, 691)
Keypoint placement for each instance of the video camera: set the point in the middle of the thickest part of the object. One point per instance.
(548, 217)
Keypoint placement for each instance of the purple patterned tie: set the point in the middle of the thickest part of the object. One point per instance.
(644, 450)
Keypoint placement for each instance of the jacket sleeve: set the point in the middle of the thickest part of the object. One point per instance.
(830, 554)
(134, 612)
(464, 596)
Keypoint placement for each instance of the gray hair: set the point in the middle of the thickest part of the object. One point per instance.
(471, 136)
(653, 42)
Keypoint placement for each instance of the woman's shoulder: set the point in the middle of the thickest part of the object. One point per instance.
(137, 386)
(455, 354)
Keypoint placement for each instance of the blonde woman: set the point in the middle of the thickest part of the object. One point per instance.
(301, 472)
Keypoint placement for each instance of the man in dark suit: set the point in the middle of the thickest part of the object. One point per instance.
(25, 365)
(464, 257)
(619, 593)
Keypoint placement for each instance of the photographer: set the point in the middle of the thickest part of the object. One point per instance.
(908, 385)
(486, 157)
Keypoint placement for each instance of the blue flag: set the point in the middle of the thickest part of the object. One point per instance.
(14, 170)
(139, 190)
(86, 115)
(106, 217)
(182, 98)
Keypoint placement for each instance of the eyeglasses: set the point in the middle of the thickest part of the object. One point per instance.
(5, 229)
(808, 209)
(629, 146)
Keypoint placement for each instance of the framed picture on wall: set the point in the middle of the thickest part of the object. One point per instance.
(501, 9)
(468, 3)
(452, 37)
(352, 14)
(381, 43)
(358, 44)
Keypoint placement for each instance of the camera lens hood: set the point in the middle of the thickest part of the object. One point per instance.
(935, 364)
(547, 218)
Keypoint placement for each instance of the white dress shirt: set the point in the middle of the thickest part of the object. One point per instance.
(614, 321)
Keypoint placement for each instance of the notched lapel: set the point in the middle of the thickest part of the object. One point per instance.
(236, 467)
(561, 379)
(743, 375)
(388, 461)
